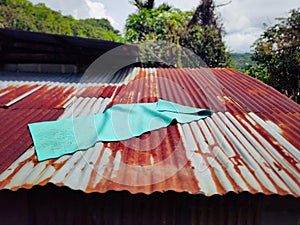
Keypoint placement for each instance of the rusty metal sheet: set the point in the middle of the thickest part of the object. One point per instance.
(28, 102)
(252, 94)
(15, 137)
(13, 92)
(244, 146)
(96, 91)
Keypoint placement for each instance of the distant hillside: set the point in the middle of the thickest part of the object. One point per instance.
(23, 15)
(241, 60)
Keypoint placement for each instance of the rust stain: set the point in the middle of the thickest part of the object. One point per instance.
(90, 187)
(5, 182)
(270, 140)
(106, 92)
(289, 123)
(15, 92)
(220, 188)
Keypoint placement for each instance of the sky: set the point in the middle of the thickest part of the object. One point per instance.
(242, 19)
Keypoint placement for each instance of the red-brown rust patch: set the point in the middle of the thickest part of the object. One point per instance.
(97, 92)
(167, 154)
(57, 165)
(107, 92)
(147, 144)
(44, 98)
(277, 146)
(189, 87)
(240, 115)
(15, 92)
(64, 98)
(90, 187)
(15, 131)
(45, 181)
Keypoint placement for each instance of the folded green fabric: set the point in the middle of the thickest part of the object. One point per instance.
(120, 122)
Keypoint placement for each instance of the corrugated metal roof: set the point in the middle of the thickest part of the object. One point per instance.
(27, 102)
(249, 144)
(104, 77)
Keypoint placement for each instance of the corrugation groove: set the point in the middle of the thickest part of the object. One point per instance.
(189, 87)
(208, 83)
(240, 92)
(46, 97)
(51, 96)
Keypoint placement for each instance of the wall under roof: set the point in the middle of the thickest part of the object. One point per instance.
(51, 205)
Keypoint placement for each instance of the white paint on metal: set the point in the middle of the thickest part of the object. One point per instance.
(116, 165)
(277, 136)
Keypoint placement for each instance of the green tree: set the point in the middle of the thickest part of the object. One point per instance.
(197, 31)
(277, 55)
(23, 15)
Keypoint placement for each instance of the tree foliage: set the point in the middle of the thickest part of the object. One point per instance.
(23, 15)
(277, 55)
(191, 29)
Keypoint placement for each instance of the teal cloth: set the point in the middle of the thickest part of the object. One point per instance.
(120, 122)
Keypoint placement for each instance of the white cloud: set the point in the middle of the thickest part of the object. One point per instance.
(243, 20)
(97, 10)
(241, 41)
